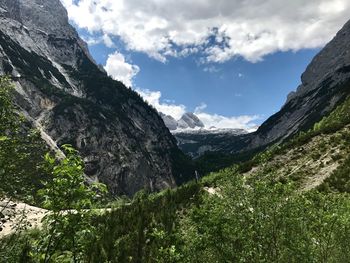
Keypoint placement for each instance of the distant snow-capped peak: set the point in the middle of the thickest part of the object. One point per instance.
(188, 121)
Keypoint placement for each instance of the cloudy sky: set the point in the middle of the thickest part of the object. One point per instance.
(232, 62)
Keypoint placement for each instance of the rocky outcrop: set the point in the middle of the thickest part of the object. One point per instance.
(190, 120)
(169, 121)
(197, 142)
(187, 121)
(123, 141)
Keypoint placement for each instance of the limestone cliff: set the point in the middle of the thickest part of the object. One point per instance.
(62, 91)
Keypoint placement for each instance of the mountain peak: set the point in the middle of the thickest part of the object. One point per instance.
(69, 99)
(190, 120)
(333, 57)
(42, 27)
(48, 16)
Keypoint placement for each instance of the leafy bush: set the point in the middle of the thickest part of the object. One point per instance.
(266, 222)
(339, 181)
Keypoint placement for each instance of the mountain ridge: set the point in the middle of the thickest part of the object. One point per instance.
(123, 141)
(324, 84)
(188, 120)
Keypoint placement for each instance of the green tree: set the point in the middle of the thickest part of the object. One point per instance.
(21, 149)
(67, 226)
(8, 126)
(8, 120)
(266, 221)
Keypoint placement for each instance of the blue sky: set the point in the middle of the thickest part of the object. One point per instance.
(236, 87)
(232, 64)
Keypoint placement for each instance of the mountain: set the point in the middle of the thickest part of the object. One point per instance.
(187, 121)
(287, 203)
(194, 139)
(197, 142)
(169, 121)
(324, 85)
(65, 95)
(264, 203)
(190, 120)
(282, 205)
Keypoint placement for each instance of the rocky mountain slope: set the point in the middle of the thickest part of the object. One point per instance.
(297, 190)
(308, 164)
(169, 121)
(62, 91)
(197, 142)
(324, 85)
(194, 139)
(190, 120)
(187, 121)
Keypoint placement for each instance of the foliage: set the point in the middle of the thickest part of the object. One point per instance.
(266, 222)
(15, 248)
(145, 229)
(259, 221)
(8, 119)
(216, 161)
(339, 181)
(182, 166)
(223, 218)
(67, 227)
(213, 162)
(21, 150)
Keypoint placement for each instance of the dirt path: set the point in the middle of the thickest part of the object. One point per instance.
(16, 215)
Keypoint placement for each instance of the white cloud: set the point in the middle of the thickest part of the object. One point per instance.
(168, 108)
(200, 107)
(91, 41)
(176, 111)
(108, 41)
(217, 30)
(235, 122)
(119, 69)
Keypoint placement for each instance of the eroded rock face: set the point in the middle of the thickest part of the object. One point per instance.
(190, 120)
(187, 121)
(198, 142)
(169, 121)
(123, 141)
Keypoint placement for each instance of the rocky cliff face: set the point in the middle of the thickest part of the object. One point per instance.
(197, 142)
(190, 120)
(169, 121)
(61, 90)
(187, 121)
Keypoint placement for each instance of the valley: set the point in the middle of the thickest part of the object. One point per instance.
(91, 171)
